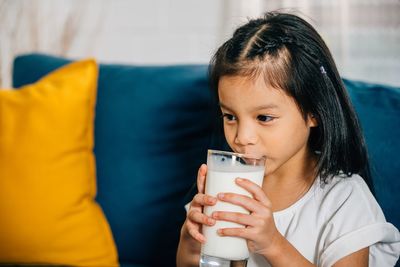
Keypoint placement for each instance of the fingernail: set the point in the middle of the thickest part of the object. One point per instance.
(221, 195)
(210, 200)
(203, 166)
(219, 231)
(239, 180)
(215, 215)
(210, 221)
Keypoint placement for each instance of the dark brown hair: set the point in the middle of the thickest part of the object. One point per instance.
(290, 55)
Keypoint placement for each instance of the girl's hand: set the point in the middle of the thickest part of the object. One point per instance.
(195, 217)
(260, 231)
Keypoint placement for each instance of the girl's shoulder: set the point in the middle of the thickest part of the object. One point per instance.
(350, 218)
(343, 196)
(345, 185)
(338, 193)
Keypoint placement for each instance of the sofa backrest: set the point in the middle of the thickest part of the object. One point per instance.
(378, 108)
(152, 129)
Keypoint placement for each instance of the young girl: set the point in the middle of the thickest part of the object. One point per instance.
(281, 97)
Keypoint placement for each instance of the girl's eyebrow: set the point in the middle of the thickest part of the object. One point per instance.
(223, 106)
(267, 106)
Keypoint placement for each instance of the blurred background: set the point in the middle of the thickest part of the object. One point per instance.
(363, 35)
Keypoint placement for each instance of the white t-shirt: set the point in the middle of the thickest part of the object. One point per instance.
(334, 220)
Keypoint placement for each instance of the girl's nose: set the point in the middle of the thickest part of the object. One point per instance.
(245, 135)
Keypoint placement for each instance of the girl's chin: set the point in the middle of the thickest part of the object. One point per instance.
(269, 168)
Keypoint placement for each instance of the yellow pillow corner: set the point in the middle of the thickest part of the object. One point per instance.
(47, 172)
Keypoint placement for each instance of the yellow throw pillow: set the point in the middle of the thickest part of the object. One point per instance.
(48, 214)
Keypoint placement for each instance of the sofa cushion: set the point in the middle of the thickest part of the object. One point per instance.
(152, 130)
(378, 107)
(47, 173)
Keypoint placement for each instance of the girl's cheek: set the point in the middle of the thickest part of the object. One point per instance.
(230, 138)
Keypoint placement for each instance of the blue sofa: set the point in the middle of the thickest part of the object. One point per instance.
(153, 127)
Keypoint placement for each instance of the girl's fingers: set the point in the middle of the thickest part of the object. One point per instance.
(201, 178)
(246, 202)
(195, 217)
(194, 232)
(235, 232)
(255, 190)
(235, 217)
(200, 218)
(203, 200)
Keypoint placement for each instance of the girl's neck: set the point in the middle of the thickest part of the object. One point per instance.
(286, 187)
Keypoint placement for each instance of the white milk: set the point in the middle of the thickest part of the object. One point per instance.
(223, 180)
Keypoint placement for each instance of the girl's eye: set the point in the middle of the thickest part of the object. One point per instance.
(229, 117)
(264, 118)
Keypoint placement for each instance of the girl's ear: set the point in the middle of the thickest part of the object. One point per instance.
(312, 120)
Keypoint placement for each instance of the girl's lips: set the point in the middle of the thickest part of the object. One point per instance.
(253, 155)
(250, 153)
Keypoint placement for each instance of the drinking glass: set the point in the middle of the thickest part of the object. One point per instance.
(223, 168)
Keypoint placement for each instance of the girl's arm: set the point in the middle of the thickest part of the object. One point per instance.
(284, 254)
(188, 254)
(359, 259)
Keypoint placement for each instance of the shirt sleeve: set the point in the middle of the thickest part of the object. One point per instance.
(187, 206)
(355, 221)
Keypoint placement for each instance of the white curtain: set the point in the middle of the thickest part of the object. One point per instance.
(363, 35)
(47, 26)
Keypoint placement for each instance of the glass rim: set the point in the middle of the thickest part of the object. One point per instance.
(229, 153)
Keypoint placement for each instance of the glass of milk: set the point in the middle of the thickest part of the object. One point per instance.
(223, 168)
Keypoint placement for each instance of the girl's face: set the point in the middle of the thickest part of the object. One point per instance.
(264, 121)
